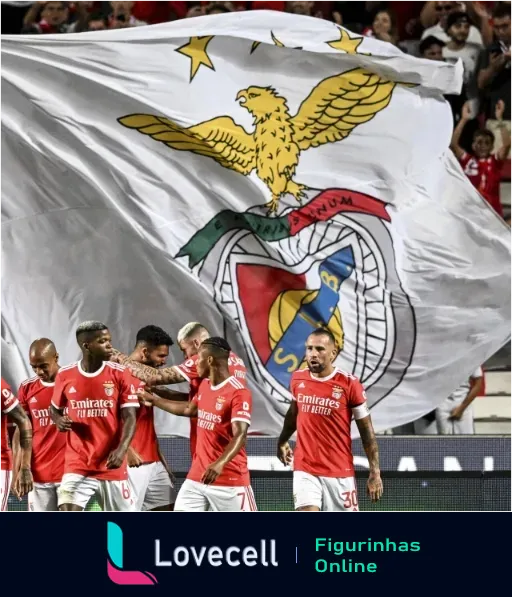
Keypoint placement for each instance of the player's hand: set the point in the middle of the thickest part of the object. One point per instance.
(212, 472)
(147, 398)
(456, 413)
(14, 485)
(115, 357)
(133, 457)
(285, 453)
(374, 487)
(115, 459)
(64, 423)
(24, 482)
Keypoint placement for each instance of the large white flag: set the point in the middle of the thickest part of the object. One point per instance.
(262, 173)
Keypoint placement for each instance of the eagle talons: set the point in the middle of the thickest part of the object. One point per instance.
(296, 190)
(272, 205)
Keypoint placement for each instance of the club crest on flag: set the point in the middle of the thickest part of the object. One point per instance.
(109, 388)
(328, 263)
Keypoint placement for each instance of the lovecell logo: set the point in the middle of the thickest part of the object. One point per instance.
(115, 561)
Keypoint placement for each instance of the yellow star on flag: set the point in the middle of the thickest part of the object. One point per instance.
(195, 49)
(346, 43)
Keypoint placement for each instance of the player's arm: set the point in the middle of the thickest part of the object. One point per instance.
(62, 421)
(180, 409)
(16, 458)
(152, 376)
(362, 417)
(241, 411)
(24, 481)
(128, 405)
(239, 430)
(168, 394)
(128, 423)
(284, 451)
(371, 449)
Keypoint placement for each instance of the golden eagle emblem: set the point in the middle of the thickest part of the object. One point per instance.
(335, 107)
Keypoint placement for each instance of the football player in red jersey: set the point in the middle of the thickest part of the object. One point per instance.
(148, 471)
(190, 338)
(101, 399)
(219, 478)
(48, 444)
(324, 401)
(12, 409)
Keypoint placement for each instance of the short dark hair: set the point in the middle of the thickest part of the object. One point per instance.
(217, 347)
(484, 133)
(456, 17)
(88, 329)
(502, 9)
(428, 42)
(325, 332)
(152, 335)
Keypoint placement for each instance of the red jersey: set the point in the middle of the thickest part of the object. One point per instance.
(189, 371)
(94, 401)
(218, 406)
(485, 176)
(145, 442)
(9, 402)
(324, 445)
(48, 443)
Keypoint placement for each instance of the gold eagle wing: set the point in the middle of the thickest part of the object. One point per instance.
(338, 105)
(219, 138)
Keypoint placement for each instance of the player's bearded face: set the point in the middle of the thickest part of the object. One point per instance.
(319, 353)
(156, 357)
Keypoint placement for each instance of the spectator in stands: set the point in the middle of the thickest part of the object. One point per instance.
(431, 48)
(457, 28)
(52, 16)
(383, 27)
(300, 8)
(494, 70)
(97, 22)
(122, 17)
(442, 11)
(455, 415)
(482, 167)
(218, 8)
(356, 16)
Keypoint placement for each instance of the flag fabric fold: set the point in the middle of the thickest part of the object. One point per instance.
(263, 173)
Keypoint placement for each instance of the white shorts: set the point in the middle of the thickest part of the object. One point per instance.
(43, 498)
(330, 494)
(5, 487)
(152, 485)
(197, 497)
(112, 496)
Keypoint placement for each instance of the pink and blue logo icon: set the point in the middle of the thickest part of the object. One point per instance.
(116, 573)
